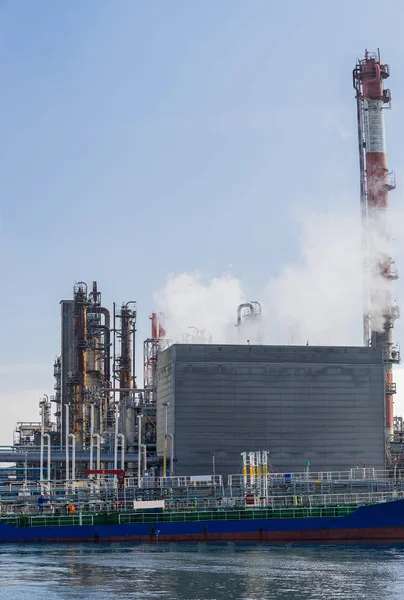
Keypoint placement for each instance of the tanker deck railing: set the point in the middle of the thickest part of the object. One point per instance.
(56, 508)
(317, 499)
(357, 474)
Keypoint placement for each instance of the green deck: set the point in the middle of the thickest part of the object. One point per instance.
(239, 514)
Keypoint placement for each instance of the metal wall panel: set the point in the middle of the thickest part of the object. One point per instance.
(66, 356)
(302, 403)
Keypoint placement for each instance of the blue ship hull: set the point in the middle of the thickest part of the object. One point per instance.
(378, 522)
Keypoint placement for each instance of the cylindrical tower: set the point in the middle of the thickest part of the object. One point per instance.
(376, 182)
(125, 361)
(80, 363)
(126, 381)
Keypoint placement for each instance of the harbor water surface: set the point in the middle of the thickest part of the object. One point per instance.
(201, 572)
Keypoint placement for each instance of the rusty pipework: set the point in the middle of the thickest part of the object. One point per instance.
(157, 330)
(126, 380)
(106, 330)
(80, 368)
(125, 361)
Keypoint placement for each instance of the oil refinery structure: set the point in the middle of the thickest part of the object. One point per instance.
(202, 404)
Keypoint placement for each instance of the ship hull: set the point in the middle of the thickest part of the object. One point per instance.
(380, 522)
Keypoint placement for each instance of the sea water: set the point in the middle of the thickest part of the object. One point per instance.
(201, 572)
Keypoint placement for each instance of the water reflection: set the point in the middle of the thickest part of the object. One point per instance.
(200, 572)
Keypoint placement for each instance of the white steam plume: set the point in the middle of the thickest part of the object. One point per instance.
(378, 257)
(187, 302)
(317, 299)
(320, 298)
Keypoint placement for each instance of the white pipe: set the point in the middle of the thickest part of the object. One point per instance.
(170, 435)
(265, 473)
(116, 437)
(26, 471)
(47, 436)
(98, 467)
(244, 457)
(139, 444)
(98, 437)
(120, 435)
(91, 434)
(41, 404)
(144, 456)
(67, 439)
(165, 405)
(72, 435)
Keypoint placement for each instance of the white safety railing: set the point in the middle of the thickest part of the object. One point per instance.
(176, 482)
(357, 474)
(322, 499)
(62, 521)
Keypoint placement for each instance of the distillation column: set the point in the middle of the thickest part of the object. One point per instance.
(98, 359)
(375, 184)
(126, 380)
(79, 359)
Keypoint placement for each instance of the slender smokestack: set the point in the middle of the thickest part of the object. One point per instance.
(376, 182)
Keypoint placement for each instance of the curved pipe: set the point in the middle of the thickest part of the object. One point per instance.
(107, 315)
(83, 283)
(107, 351)
(130, 302)
(258, 305)
(240, 308)
(106, 328)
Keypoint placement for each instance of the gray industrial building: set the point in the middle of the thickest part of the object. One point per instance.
(322, 404)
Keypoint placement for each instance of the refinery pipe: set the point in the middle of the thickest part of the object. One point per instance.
(165, 405)
(144, 457)
(171, 436)
(98, 446)
(48, 472)
(106, 329)
(116, 436)
(240, 308)
(139, 457)
(130, 424)
(42, 405)
(92, 407)
(73, 437)
(122, 437)
(67, 439)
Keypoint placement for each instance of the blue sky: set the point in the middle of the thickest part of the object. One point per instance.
(146, 138)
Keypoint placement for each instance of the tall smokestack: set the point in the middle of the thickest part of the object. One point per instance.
(375, 183)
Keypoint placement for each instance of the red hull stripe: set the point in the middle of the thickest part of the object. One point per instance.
(382, 534)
